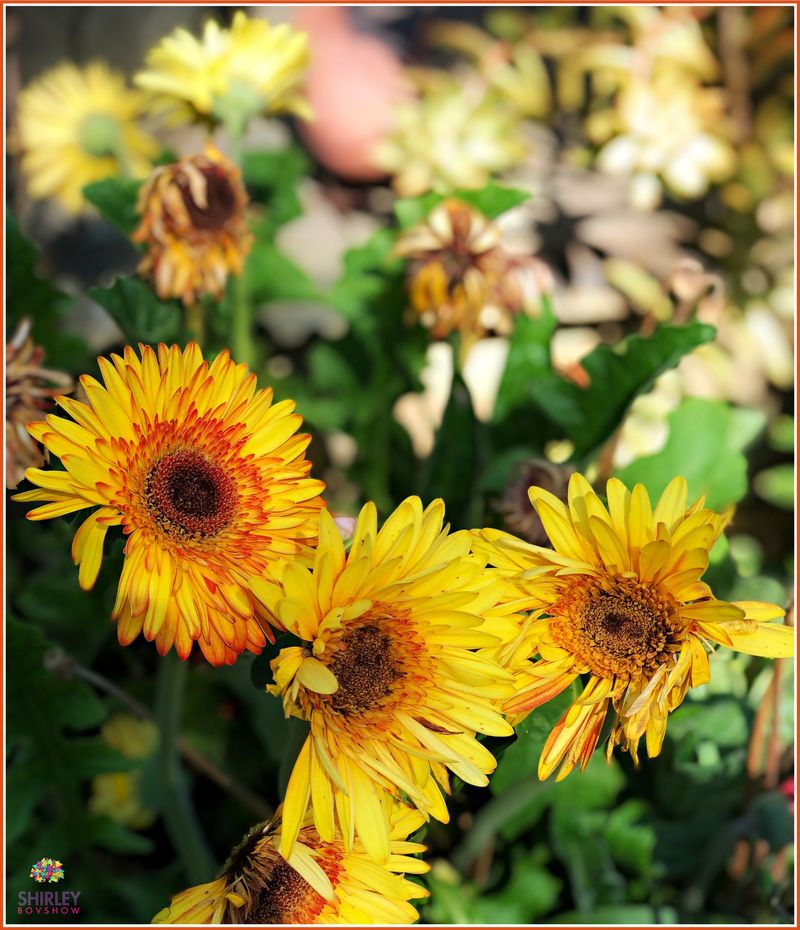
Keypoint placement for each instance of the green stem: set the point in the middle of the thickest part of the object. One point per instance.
(195, 317)
(492, 816)
(241, 335)
(177, 810)
(241, 324)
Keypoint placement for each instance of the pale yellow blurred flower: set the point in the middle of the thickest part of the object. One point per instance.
(669, 133)
(79, 125)
(454, 136)
(116, 794)
(515, 70)
(228, 75)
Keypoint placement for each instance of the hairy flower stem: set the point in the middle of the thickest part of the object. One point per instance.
(177, 810)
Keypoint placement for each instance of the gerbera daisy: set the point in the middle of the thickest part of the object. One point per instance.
(228, 75)
(321, 882)
(461, 278)
(207, 480)
(385, 673)
(75, 126)
(193, 224)
(30, 388)
(620, 598)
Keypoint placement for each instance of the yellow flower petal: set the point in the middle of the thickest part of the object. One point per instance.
(317, 677)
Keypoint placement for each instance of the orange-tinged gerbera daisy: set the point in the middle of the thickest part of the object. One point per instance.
(321, 882)
(386, 674)
(193, 225)
(620, 599)
(206, 477)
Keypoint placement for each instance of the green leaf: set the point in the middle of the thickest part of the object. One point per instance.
(454, 465)
(617, 375)
(114, 836)
(24, 796)
(528, 360)
(273, 176)
(413, 210)
(521, 759)
(705, 443)
(633, 914)
(595, 788)
(576, 837)
(776, 485)
(630, 840)
(271, 275)
(492, 200)
(773, 819)
(371, 271)
(30, 295)
(531, 892)
(115, 199)
(781, 433)
(137, 311)
(44, 710)
(722, 722)
(536, 404)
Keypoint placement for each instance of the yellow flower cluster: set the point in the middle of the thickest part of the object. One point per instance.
(411, 643)
(454, 135)
(666, 127)
(227, 74)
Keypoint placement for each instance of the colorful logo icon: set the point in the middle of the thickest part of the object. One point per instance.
(47, 870)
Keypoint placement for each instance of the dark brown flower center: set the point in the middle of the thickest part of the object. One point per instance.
(285, 898)
(366, 669)
(188, 493)
(626, 629)
(220, 205)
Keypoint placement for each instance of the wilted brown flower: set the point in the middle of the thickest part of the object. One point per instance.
(193, 224)
(519, 515)
(29, 389)
(460, 278)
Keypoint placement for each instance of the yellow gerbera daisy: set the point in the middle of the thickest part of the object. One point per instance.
(206, 478)
(228, 74)
(321, 882)
(385, 673)
(619, 598)
(193, 223)
(78, 125)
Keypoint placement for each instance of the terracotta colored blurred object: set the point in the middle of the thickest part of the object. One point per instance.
(353, 83)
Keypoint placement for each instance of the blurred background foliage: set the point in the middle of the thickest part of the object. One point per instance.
(659, 343)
